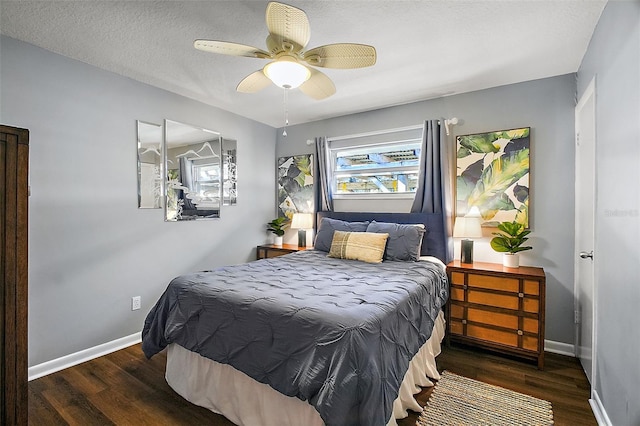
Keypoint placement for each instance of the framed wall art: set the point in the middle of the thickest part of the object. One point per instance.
(492, 173)
(295, 185)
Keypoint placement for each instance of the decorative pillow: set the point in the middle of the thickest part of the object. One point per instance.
(365, 246)
(327, 226)
(405, 241)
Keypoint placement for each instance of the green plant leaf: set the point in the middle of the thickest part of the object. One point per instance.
(521, 193)
(495, 204)
(300, 179)
(511, 238)
(503, 172)
(517, 133)
(481, 143)
(463, 188)
(522, 215)
(466, 182)
(463, 152)
(499, 245)
(304, 164)
(277, 225)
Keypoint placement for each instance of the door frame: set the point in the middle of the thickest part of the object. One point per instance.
(589, 92)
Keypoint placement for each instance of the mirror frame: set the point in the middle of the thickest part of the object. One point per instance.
(159, 164)
(229, 172)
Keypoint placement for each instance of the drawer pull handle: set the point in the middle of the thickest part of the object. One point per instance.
(464, 321)
(520, 295)
(464, 287)
(520, 333)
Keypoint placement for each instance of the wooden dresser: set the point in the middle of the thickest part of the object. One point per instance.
(271, 250)
(497, 308)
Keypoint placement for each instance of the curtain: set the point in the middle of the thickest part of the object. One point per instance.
(186, 179)
(434, 192)
(323, 187)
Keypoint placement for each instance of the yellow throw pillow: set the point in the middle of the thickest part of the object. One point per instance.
(364, 246)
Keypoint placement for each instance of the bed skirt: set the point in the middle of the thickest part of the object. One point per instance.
(244, 401)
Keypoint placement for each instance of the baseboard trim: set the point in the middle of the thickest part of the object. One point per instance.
(598, 410)
(76, 358)
(559, 348)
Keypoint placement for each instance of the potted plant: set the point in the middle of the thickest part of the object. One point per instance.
(276, 226)
(510, 242)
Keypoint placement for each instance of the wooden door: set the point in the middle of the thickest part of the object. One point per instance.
(584, 287)
(14, 188)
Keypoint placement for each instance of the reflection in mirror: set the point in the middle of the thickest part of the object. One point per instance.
(230, 172)
(149, 165)
(194, 171)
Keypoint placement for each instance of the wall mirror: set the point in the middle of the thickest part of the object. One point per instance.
(229, 172)
(193, 160)
(149, 138)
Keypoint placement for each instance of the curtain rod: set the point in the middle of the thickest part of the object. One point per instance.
(374, 133)
(447, 123)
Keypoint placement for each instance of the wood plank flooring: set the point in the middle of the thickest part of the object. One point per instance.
(124, 388)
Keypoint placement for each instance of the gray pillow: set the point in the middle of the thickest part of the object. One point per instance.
(405, 241)
(324, 237)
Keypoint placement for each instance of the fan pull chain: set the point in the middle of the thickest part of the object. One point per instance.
(286, 113)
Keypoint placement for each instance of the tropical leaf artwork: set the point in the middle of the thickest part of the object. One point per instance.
(493, 175)
(295, 185)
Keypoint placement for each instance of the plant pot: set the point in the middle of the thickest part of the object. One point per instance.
(277, 240)
(511, 260)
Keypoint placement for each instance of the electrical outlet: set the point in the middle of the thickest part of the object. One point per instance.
(135, 303)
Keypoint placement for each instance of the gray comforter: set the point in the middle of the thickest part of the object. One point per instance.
(336, 333)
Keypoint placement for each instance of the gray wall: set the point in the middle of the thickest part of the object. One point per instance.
(90, 248)
(613, 58)
(547, 106)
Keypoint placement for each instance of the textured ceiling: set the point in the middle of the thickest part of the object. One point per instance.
(426, 49)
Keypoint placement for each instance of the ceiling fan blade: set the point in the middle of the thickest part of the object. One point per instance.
(253, 83)
(341, 55)
(319, 86)
(288, 26)
(228, 48)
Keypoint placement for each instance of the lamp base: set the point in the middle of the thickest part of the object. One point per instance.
(466, 251)
(302, 237)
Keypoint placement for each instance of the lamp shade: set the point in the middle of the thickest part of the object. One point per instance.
(302, 221)
(467, 227)
(287, 72)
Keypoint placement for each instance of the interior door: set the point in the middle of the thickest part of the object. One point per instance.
(585, 230)
(14, 213)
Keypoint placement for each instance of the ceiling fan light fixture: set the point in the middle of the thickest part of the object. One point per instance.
(287, 73)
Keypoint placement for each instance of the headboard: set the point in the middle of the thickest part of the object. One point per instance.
(433, 243)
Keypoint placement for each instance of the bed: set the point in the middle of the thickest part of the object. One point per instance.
(310, 338)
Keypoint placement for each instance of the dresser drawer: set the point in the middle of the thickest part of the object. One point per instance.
(457, 278)
(532, 287)
(492, 318)
(509, 338)
(494, 283)
(503, 337)
(509, 301)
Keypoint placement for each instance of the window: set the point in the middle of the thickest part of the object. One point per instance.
(384, 163)
(206, 179)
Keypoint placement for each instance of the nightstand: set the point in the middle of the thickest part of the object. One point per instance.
(270, 250)
(497, 308)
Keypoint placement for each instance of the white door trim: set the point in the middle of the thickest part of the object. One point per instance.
(589, 92)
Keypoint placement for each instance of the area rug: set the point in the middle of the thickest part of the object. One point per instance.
(457, 400)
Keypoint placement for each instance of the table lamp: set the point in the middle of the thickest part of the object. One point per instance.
(302, 222)
(466, 227)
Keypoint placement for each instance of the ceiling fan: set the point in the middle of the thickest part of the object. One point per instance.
(291, 65)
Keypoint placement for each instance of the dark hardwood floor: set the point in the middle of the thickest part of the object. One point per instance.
(124, 388)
